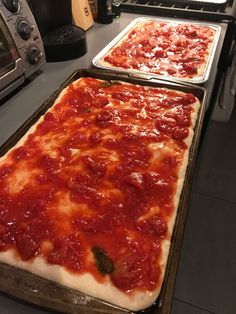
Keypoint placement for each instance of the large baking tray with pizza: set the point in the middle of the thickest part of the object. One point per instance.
(31, 288)
(162, 60)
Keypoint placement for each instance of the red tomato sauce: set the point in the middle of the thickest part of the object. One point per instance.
(177, 50)
(90, 181)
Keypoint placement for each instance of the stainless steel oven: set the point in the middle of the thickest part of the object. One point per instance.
(21, 47)
(221, 86)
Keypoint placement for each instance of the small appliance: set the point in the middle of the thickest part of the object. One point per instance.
(21, 46)
(61, 38)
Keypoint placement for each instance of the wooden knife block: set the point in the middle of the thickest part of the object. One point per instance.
(81, 13)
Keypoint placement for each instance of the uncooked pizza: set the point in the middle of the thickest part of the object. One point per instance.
(89, 195)
(165, 48)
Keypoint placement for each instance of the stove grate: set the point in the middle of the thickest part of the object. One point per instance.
(186, 9)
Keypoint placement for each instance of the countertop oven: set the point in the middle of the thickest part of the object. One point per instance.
(21, 47)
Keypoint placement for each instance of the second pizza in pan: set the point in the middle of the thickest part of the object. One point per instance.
(164, 48)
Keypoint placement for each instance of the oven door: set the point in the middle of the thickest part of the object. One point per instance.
(11, 65)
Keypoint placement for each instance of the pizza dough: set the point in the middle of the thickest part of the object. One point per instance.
(163, 48)
(89, 196)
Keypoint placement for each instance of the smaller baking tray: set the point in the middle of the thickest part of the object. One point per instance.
(97, 60)
(39, 291)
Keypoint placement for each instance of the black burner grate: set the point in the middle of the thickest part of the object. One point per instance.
(224, 12)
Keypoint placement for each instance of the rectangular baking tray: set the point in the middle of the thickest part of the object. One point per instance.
(31, 288)
(97, 60)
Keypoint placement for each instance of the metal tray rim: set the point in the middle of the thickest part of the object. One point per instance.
(197, 80)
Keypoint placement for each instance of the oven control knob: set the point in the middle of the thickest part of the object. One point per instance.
(12, 5)
(24, 29)
(34, 55)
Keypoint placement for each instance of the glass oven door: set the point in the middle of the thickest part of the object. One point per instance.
(10, 62)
